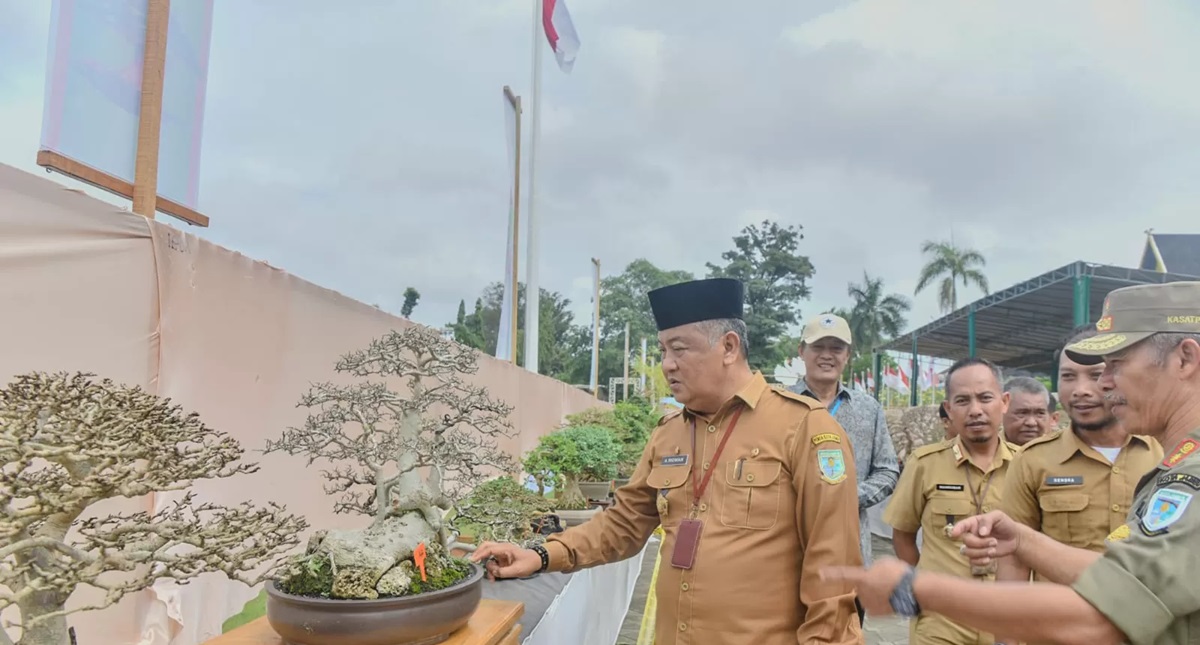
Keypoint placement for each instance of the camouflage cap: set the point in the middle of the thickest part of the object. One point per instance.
(1133, 314)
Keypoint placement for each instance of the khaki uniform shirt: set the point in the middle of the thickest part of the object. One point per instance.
(1146, 583)
(781, 505)
(939, 486)
(1064, 488)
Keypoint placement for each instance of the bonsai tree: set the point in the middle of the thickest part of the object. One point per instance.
(502, 510)
(630, 422)
(68, 442)
(401, 459)
(570, 455)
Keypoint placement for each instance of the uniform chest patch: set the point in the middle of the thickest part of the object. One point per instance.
(832, 464)
(674, 460)
(953, 487)
(1064, 480)
(1165, 508)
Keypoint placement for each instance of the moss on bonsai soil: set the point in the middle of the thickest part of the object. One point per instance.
(312, 577)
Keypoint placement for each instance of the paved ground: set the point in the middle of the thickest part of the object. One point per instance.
(880, 631)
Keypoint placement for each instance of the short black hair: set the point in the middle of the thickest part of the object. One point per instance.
(968, 362)
(942, 414)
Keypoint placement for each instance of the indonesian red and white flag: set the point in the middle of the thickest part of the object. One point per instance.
(560, 33)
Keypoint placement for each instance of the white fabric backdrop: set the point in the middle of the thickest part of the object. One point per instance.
(592, 606)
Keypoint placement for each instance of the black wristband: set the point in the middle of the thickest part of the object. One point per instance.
(544, 555)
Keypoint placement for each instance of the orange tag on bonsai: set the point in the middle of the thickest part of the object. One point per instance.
(419, 559)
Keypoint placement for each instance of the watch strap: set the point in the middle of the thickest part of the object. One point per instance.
(903, 600)
(544, 555)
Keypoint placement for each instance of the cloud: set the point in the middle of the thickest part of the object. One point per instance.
(363, 148)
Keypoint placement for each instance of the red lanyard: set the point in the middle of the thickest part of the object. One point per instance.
(699, 486)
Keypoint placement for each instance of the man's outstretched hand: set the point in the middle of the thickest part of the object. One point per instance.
(874, 586)
(507, 560)
(987, 537)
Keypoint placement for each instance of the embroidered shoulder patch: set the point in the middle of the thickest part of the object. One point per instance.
(1119, 534)
(1165, 508)
(832, 464)
(1185, 448)
(1189, 480)
(826, 437)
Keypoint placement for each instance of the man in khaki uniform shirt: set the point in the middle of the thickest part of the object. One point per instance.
(1143, 588)
(746, 530)
(946, 482)
(1077, 486)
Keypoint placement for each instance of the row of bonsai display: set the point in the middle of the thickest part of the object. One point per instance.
(424, 466)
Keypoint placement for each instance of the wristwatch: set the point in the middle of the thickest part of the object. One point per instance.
(544, 555)
(903, 600)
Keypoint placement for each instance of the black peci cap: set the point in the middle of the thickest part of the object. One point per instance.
(697, 301)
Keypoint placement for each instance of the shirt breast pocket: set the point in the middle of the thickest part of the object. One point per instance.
(946, 510)
(1063, 516)
(669, 495)
(750, 494)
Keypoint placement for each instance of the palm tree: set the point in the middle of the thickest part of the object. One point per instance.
(952, 265)
(875, 316)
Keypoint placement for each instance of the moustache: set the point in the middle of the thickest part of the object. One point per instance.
(1115, 399)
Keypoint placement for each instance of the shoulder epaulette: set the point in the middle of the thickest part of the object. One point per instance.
(668, 416)
(931, 448)
(808, 401)
(1042, 440)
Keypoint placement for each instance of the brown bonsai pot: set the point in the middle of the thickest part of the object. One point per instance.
(422, 619)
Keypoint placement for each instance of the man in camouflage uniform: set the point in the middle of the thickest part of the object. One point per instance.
(1142, 589)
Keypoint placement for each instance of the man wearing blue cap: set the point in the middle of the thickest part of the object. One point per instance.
(754, 487)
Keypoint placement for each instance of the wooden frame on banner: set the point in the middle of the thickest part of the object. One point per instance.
(144, 189)
(106, 182)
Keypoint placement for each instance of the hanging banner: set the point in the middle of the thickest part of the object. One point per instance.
(93, 94)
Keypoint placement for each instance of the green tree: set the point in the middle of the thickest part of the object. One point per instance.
(766, 259)
(875, 316)
(411, 296)
(950, 264)
(563, 347)
(468, 329)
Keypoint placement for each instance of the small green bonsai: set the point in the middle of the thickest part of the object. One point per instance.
(631, 423)
(570, 455)
(502, 510)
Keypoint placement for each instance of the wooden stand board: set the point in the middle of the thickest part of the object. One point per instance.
(494, 623)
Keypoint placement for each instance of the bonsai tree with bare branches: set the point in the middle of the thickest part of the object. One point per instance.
(68, 442)
(401, 459)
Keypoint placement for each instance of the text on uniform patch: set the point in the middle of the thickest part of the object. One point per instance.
(674, 460)
(1064, 480)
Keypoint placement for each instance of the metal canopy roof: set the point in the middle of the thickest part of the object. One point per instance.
(1022, 326)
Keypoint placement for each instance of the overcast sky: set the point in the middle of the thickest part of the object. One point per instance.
(361, 145)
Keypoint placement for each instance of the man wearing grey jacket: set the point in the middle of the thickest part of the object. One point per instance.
(825, 350)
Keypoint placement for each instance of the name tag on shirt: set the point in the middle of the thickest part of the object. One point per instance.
(1064, 480)
(674, 460)
(953, 487)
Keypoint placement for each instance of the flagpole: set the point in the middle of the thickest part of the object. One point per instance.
(532, 291)
(596, 330)
(516, 225)
(625, 379)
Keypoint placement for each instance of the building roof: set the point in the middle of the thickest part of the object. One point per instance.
(1022, 326)
(1180, 253)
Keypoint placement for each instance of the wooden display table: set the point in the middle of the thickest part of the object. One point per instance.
(493, 623)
